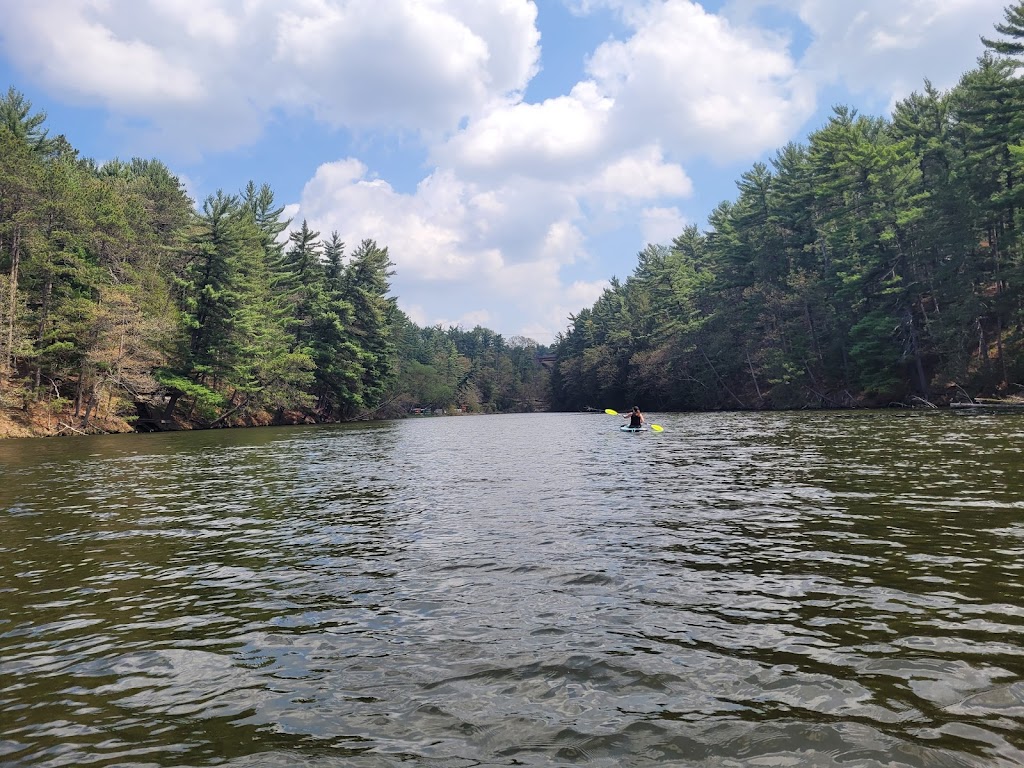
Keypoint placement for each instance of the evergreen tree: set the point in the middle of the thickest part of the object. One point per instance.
(20, 189)
(300, 283)
(17, 117)
(214, 248)
(365, 285)
(1013, 28)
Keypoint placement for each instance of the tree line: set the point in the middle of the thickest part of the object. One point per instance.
(476, 370)
(120, 298)
(878, 262)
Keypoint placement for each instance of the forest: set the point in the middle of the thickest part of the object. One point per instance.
(878, 263)
(124, 305)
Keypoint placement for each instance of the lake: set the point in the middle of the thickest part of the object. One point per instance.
(785, 589)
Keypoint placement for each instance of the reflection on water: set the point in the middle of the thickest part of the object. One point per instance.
(742, 589)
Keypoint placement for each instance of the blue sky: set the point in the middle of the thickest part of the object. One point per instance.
(513, 155)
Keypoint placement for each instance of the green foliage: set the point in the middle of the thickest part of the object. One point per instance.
(1013, 28)
(115, 290)
(189, 388)
(875, 356)
(880, 261)
(475, 370)
(17, 119)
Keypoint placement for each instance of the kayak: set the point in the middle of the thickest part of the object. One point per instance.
(627, 428)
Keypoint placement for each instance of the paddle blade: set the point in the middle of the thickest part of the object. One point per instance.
(657, 427)
(610, 412)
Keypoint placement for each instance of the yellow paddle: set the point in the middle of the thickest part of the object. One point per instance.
(655, 427)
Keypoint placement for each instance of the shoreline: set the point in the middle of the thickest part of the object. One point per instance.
(37, 422)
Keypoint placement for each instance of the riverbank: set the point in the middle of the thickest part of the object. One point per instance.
(40, 420)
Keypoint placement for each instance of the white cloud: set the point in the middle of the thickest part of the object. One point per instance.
(584, 294)
(889, 47)
(462, 252)
(422, 66)
(701, 84)
(558, 136)
(65, 45)
(455, 246)
(207, 22)
(661, 225)
(642, 175)
(905, 41)
(518, 191)
(467, 320)
(208, 74)
(553, 316)
(685, 80)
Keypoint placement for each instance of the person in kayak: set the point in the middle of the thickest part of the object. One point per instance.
(636, 419)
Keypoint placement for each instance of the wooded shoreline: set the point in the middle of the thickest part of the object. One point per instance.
(25, 425)
(880, 263)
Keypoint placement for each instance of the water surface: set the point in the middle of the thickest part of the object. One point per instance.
(839, 589)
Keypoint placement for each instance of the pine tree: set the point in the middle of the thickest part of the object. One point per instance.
(1012, 27)
(21, 182)
(26, 126)
(365, 285)
(214, 248)
(300, 283)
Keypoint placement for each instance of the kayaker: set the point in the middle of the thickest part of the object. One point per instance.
(636, 419)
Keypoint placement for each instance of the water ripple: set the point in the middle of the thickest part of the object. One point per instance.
(740, 590)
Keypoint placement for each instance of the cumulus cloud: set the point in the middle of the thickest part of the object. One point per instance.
(66, 45)
(498, 251)
(424, 66)
(517, 195)
(640, 175)
(219, 69)
(887, 48)
(558, 136)
(519, 190)
(706, 86)
(898, 44)
(685, 80)
(661, 225)
(539, 179)
(462, 252)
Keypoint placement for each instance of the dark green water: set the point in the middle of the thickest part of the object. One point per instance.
(741, 590)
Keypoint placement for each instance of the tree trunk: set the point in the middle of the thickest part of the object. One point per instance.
(999, 353)
(12, 298)
(92, 404)
(720, 379)
(922, 383)
(172, 399)
(982, 346)
(813, 331)
(44, 311)
(80, 393)
(753, 376)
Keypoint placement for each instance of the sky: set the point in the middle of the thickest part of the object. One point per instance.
(512, 155)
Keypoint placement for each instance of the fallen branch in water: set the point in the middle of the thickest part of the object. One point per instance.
(225, 415)
(969, 398)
